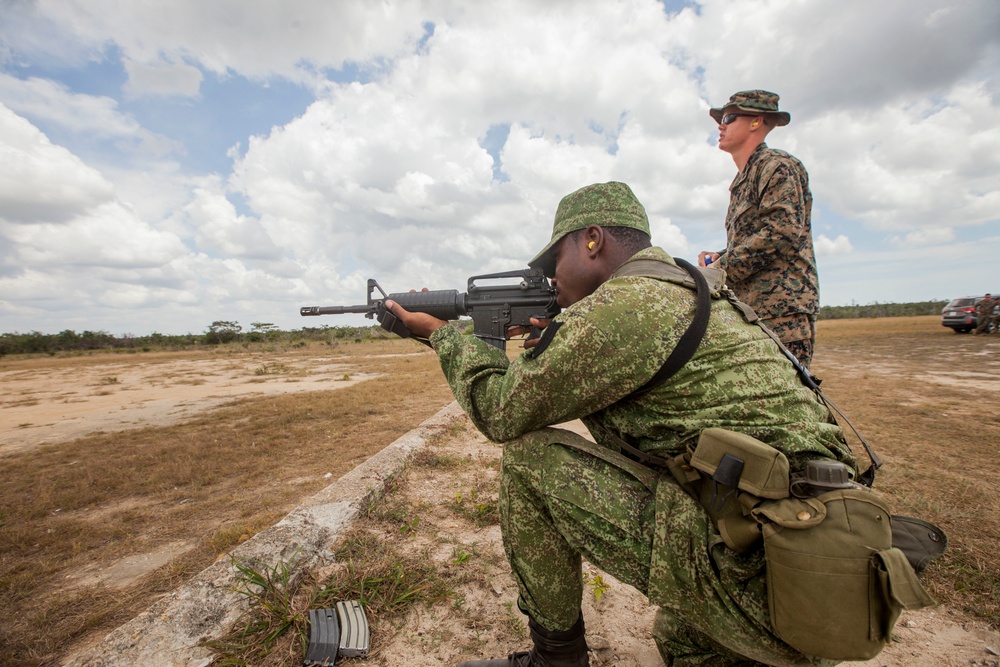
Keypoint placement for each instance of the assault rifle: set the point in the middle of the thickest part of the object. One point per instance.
(493, 308)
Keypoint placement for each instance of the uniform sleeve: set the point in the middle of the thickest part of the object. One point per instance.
(781, 225)
(583, 369)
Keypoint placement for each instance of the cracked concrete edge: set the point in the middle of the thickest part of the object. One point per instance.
(169, 632)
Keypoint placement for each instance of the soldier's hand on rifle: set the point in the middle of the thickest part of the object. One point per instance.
(419, 324)
(537, 323)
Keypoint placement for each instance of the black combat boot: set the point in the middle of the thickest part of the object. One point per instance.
(566, 648)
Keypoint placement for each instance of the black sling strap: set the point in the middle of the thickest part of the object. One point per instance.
(689, 342)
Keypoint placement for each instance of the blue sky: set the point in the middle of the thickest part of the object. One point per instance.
(165, 165)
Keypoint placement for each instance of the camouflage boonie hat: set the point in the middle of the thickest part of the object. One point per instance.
(606, 204)
(755, 102)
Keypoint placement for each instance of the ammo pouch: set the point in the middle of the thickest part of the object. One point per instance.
(738, 472)
(836, 585)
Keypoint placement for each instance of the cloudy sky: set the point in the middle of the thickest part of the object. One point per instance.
(167, 164)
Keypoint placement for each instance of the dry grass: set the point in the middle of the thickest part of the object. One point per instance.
(416, 547)
(207, 484)
(924, 397)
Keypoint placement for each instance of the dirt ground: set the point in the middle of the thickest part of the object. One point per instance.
(618, 622)
(40, 405)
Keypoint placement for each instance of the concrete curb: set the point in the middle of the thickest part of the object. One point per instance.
(167, 634)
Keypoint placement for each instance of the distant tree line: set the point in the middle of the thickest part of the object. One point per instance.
(218, 333)
(225, 332)
(877, 309)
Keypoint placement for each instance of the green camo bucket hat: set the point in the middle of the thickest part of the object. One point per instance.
(755, 102)
(606, 204)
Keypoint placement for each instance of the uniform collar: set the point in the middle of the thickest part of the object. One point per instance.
(751, 161)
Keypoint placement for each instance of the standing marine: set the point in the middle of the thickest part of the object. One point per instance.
(769, 259)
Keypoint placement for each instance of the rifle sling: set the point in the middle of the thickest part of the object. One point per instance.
(691, 339)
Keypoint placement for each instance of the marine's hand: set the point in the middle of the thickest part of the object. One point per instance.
(536, 324)
(707, 257)
(419, 324)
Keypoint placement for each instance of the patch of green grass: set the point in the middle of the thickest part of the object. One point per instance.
(461, 553)
(472, 506)
(276, 368)
(275, 609)
(403, 517)
(598, 587)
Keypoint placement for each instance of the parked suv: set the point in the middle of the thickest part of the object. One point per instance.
(960, 314)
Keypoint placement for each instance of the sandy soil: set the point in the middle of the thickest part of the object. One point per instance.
(48, 405)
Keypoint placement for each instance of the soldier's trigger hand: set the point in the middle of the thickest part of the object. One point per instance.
(534, 331)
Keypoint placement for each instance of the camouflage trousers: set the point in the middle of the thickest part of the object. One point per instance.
(797, 332)
(563, 498)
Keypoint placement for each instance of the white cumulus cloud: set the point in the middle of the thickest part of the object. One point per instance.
(827, 247)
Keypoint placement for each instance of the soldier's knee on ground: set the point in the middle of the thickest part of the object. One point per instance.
(681, 645)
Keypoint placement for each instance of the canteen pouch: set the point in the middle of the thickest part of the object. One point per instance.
(836, 586)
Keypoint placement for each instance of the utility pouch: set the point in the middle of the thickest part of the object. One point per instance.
(738, 471)
(836, 586)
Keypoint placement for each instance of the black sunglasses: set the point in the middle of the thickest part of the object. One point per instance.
(730, 117)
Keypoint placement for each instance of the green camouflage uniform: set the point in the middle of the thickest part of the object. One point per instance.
(563, 497)
(769, 259)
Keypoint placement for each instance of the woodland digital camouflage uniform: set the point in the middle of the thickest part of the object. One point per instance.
(563, 497)
(769, 259)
